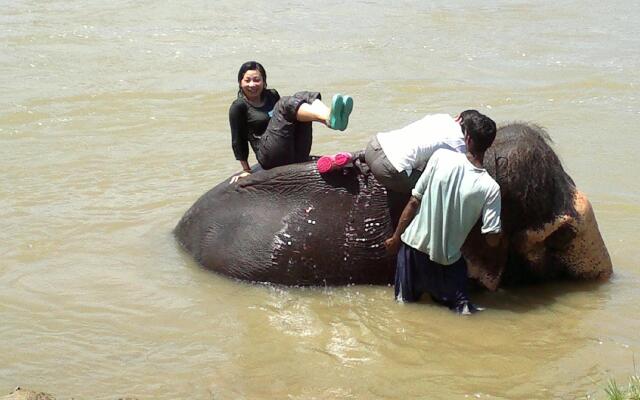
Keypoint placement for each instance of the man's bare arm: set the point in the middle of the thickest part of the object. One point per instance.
(393, 243)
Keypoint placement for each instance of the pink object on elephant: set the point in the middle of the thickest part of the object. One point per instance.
(332, 163)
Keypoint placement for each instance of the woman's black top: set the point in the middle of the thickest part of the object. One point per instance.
(248, 123)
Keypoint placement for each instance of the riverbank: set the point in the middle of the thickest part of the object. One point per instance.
(26, 394)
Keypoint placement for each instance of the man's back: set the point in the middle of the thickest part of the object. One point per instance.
(410, 147)
(454, 194)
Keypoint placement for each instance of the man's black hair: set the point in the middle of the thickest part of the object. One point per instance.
(480, 128)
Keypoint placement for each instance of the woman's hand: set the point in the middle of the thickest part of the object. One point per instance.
(241, 175)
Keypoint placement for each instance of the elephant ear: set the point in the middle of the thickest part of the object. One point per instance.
(485, 264)
(570, 245)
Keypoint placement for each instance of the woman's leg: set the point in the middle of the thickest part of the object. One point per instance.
(288, 136)
(308, 107)
(335, 117)
(314, 112)
(287, 140)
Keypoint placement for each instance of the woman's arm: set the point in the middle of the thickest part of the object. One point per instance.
(239, 135)
(245, 166)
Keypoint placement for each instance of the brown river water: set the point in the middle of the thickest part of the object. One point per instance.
(113, 121)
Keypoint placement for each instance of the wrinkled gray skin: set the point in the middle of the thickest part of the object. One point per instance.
(292, 226)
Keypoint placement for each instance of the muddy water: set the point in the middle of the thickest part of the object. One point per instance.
(113, 120)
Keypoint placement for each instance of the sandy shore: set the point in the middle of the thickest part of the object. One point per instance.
(26, 394)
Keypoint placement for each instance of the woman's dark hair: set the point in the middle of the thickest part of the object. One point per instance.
(480, 128)
(252, 66)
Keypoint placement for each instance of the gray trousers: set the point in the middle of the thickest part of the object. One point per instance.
(385, 172)
(286, 140)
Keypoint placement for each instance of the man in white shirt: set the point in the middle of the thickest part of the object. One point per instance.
(398, 157)
(451, 195)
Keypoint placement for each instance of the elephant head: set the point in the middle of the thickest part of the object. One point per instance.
(570, 245)
(550, 230)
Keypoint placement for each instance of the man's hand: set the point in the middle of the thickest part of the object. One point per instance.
(392, 245)
(241, 175)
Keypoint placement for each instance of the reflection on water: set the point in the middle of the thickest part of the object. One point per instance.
(114, 121)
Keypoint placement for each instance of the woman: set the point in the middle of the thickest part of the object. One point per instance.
(278, 129)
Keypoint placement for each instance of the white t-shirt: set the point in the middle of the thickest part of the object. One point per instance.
(454, 194)
(410, 147)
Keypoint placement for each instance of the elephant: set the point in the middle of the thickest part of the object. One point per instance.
(291, 225)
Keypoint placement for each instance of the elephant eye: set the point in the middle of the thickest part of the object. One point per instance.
(561, 238)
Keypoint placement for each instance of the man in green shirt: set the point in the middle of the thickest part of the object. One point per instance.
(451, 195)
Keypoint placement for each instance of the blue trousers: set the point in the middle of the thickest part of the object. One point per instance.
(417, 274)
